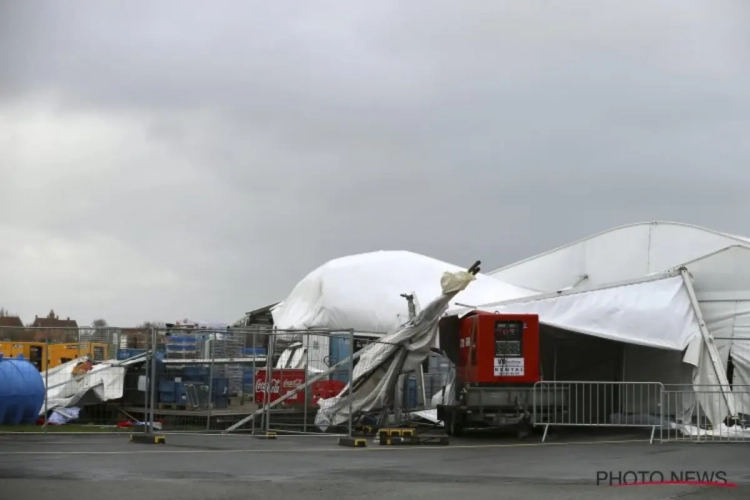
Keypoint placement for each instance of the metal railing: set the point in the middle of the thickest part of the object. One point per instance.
(198, 380)
(597, 404)
(689, 411)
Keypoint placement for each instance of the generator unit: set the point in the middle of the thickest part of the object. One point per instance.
(497, 360)
(497, 349)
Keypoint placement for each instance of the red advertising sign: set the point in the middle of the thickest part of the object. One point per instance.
(282, 382)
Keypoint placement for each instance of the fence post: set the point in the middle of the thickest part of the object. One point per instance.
(351, 379)
(306, 346)
(269, 376)
(661, 414)
(152, 384)
(212, 353)
(146, 380)
(46, 383)
(255, 376)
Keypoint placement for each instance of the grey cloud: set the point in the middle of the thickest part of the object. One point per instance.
(261, 139)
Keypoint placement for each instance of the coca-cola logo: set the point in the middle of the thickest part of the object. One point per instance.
(261, 385)
(276, 385)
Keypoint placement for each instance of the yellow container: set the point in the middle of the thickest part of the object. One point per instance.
(58, 353)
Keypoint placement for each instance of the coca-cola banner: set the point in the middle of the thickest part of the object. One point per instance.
(282, 382)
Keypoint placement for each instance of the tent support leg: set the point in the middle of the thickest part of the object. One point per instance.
(718, 367)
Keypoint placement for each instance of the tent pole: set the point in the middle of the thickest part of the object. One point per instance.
(718, 367)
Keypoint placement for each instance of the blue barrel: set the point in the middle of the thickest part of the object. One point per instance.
(21, 391)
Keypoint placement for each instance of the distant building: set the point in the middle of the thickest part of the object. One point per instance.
(11, 328)
(53, 328)
(52, 320)
(10, 321)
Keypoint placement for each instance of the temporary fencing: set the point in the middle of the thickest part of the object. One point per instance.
(686, 419)
(308, 366)
(676, 410)
(260, 380)
(685, 405)
(309, 390)
(597, 404)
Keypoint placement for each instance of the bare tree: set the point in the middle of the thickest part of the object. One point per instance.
(152, 324)
(99, 323)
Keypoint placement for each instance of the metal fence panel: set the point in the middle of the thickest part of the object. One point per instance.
(686, 419)
(266, 380)
(597, 404)
(204, 379)
(305, 366)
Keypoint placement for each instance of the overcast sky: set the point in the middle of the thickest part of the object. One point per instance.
(161, 160)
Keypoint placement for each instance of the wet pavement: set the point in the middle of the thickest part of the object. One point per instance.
(62, 467)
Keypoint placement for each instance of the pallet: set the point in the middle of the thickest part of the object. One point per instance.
(398, 431)
(415, 440)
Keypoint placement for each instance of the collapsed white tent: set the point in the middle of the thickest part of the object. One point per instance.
(363, 292)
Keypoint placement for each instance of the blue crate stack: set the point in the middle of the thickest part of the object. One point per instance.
(172, 392)
(248, 376)
(128, 353)
(182, 347)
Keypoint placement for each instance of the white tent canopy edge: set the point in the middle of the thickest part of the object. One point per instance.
(658, 311)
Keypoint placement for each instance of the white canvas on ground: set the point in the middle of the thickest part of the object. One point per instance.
(104, 382)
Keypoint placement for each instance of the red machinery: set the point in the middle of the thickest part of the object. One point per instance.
(497, 359)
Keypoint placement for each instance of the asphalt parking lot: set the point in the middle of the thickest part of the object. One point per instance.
(63, 467)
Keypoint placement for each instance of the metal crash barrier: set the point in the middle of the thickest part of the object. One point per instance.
(681, 412)
(598, 404)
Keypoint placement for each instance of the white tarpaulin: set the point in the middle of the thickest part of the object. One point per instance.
(363, 292)
(102, 382)
(654, 313)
